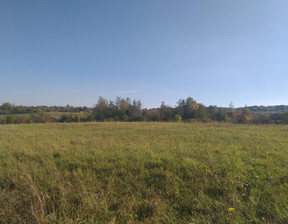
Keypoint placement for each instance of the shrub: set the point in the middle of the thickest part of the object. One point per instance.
(11, 119)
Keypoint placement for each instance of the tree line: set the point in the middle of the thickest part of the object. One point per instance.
(125, 109)
(8, 108)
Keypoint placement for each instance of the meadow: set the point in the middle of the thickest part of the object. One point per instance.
(57, 115)
(143, 173)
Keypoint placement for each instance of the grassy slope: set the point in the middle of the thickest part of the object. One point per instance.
(143, 172)
(58, 115)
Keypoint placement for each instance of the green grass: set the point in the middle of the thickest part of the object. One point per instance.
(57, 115)
(16, 115)
(143, 173)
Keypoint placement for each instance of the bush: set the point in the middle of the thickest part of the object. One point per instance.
(11, 119)
(177, 118)
(2, 120)
(69, 118)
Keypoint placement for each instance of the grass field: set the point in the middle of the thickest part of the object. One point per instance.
(143, 173)
(58, 115)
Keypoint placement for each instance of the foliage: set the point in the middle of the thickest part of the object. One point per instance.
(11, 119)
(285, 117)
(8, 108)
(69, 118)
(127, 110)
(245, 116)
(120, 110)
(187, 108)
(261, 118)
(177, 118)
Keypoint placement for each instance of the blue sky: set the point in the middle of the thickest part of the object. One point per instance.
(71, 52)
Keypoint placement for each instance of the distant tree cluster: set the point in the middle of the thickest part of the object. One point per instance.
(40, 118)
(8, 108)
(121, 109)
(187, 110)
(268, 109)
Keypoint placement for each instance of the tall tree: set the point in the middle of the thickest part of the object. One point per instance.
(202, 113)
(187, 108)
(7, 108)
(135, 111)
(101, 109)
(166, 112)
(190, 108)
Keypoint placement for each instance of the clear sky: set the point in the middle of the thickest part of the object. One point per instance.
(58, 52)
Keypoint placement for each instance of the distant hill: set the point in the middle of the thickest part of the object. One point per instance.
(267, 109)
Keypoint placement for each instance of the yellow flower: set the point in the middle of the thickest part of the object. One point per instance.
(231, 209)
(263, 218)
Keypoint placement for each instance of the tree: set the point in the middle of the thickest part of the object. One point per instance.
(231, 106)
(187, 108)
(245, 116)
(202, 113)
(7, 108)
(231, 112)
(213, 112)
(285, 117)
(122, 108)
(180, 109)
(101, 109)
(231, 115)
(261, 118)
(154, 115)
(277, 117)
(222, 115)
(191, 107)
(135, 111)
(166, 112)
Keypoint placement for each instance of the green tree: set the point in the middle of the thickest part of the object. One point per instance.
(285, 117)
(180, 109)
(187, 108)
(222, 115)
(122, 108)
(191, 107)
(7, 108)
(101, 109)
(202, 113)
(136, 111)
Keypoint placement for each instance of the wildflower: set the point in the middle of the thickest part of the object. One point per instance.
(231, 209)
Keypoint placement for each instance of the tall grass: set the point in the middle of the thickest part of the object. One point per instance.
(143, 173)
